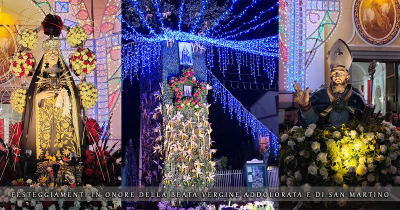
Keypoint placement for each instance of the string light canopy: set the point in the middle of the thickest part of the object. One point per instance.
(303, 26)
(150, 21)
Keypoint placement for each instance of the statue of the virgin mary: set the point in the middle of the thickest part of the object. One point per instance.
(52, 118)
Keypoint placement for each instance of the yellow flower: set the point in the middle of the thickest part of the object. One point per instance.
(44, 179)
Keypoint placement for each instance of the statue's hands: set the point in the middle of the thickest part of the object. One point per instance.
(45, 95)
(303, 99)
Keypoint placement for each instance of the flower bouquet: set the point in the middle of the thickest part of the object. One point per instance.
(82, 61)
(18, 98)
(21, 64)
(89, 94)
(314, 157)
(178, 85)
(76, 36)
(28, 38)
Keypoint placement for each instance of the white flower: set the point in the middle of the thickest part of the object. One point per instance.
(383, 148)
(393, 170)
(309, 132)
(29, 181)
(284, 137)
(391, 139)
(388, 132)
(312, 126)
(336, 134)
(19, 203)
(380, 158)
(324, 172)
(330, 142)
(393, 156)
(353, 133)
(283, 178)
(384, 171)
(338, 178)
(322, 157)
(357, 146)
(315, 146)
(361, 128)
(290, 173)
(362, 170)
(39, 206)
(301, 153)
(52, 207)
(381, 136)
(393, 128)
(301, 139)
(306, 187)
(297, 175)
(397, 180)
(312, 170)
(291, 143)
(290, 181)
(371, 177)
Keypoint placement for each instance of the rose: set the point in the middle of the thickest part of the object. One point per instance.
(306, 187)
(312, 170)
(290, 181)
(338, 178)
(322, 157)
(294, 129)
(391, 139)
(324, 172)
(301, 139)
(360, 128)
(362, 160)
(315, 146)
(330, 142)
(312, 126)
(291, 143)
(371, 167)
(283, 178)
(384, 171)
(393, 170)
(336, 134)
(297, 175)
(393, 156)
(370, 135)
(383, 148)
(309, 132)
(388, 132)
(353, 134)
(397, 180)
(381, 136)
(284, 137)
(362, 170)
(380, 158)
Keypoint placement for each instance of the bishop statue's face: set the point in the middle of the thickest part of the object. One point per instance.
(339, 76)
(52, 57)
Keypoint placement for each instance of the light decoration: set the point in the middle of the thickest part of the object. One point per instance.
(246, 31)
(199, 15)
(257, 129)
(242, 13)
(61, 7)
(159, 15)
(180, 14)
(224, 15)
(142, 16)
(299, 40)
(253, 53)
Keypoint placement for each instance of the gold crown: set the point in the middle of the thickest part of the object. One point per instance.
(51, 44)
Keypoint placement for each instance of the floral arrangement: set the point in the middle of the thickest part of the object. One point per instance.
(7, 202)
(82, 61)
(28, 38)
(187, 79)
(18, 100)
(324, 157)
(21, 64)
(76, 36)
(89, 94)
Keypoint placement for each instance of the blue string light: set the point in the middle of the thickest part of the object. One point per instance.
(217, 30)
(180, 14)
(159, 15)
(251, 123)
(222, 18)
(199, 16)
(142, 16)
(252, 28)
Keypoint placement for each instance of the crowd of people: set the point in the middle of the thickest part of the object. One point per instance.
(293, 118)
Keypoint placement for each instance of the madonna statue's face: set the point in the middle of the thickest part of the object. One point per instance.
(52, 57)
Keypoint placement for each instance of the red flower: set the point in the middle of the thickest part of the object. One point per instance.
(93, 131)
(22, 74)
(15, 64)
(47, 204)
(177, 96)
(65, 159)
(198, 98)
(176, 79)
(203, 88)
(199, 104)
(172, 85)
(28, 62)
(193, 80)
(17, 128)
(22, 67)
(84, 70)
(7, 206)
(80, 57)
(97, 173)
(72, 185)
(179, 82)
(88, 153)
(20, 57)
(194, 103)
(79, 50)
(20, 184)
(86, 62)
(25, 205)
(89, 54)
(176, 89)
(172, 81)
(89, 172)
(28, 54)
(91, 63)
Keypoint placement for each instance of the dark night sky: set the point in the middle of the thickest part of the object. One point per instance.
(229, 136)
